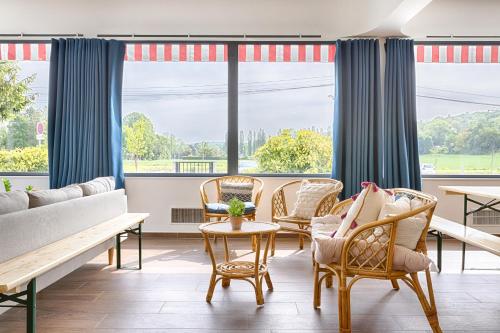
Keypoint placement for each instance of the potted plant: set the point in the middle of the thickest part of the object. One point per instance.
(236, 210)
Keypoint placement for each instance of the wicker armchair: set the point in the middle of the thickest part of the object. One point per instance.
(300, 226)
(216, 182)
(375, 260)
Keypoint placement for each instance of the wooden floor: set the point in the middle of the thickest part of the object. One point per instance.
(168, 295)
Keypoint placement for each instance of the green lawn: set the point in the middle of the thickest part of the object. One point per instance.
(443, 164)
(166, 166)
(463, 164)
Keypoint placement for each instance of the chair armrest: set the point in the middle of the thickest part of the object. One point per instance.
(341, 207)
(326, 204)
(203, 193)
(259, 192)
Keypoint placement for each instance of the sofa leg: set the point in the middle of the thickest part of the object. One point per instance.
(111, 255)
(395, 284)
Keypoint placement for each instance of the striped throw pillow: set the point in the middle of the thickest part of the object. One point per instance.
(241, 191)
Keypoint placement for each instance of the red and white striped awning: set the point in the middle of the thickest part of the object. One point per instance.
(176, 52)
(457, 53)
(258, 52)
(286, 53)
(25, 51)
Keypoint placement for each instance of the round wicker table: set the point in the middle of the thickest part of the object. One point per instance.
(253, 272)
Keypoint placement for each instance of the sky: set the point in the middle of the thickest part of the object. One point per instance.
(189, 100)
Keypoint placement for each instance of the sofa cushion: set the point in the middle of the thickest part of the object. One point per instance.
(98, 185)
(241, 191)
(328, 251)
(221, 208)
(48, 197)
(365, 208)
(13, 201)
(308, 198)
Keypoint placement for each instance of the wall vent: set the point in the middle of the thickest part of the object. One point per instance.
(486, 217)
(187, 215)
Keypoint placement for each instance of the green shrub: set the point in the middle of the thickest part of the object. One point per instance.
(30, 159)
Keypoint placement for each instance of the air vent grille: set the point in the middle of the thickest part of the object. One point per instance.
(187, 215)
(486, 217)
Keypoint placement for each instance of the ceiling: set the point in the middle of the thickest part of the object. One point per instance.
(329, 18)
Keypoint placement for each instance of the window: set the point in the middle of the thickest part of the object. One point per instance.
(458, 109)
(285, 113)
(175, 108)
(24, 79)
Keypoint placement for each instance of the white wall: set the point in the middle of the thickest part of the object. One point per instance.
(157, 195)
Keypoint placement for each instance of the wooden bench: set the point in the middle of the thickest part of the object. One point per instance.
(21, 272)
(464, 234)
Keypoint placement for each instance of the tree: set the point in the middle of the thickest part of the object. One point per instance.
(303, 151)
(22, 128)
(15, 93)
(139, 136)
(206, 150)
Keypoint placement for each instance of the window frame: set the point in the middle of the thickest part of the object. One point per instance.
(232, 102)
(458, 42)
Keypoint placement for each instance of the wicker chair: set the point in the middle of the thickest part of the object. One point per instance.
(249, 214)
(300, 226)
(377, 260)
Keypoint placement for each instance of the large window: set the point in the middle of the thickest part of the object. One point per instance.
(458, 109)
(24, 72)
(285, 95)
(175, 108)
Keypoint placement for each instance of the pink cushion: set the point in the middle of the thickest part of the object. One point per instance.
(328, 251)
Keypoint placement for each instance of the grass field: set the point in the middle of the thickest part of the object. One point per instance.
(463, 164)
(443, 164)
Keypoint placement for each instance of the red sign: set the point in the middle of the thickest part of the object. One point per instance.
(39, 128)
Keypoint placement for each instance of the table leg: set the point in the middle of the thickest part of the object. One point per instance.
(465, 224)
(258, 283)
(225, 281)
(213, 280)
(270, 239)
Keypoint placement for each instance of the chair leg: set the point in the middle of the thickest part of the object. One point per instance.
(344, 306)
(395, 284)
(329, 281)
(316, 287)
(429, 307)
(111, 254)
(268, 281)
(273, 244)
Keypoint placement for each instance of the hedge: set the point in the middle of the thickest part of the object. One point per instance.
(30, 159)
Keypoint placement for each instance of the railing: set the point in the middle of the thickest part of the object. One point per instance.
(194, 167)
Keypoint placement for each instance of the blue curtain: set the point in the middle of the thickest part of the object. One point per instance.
(84, 118)
(357, 125)
(401, 162)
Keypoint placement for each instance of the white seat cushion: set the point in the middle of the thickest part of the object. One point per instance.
(323, 227)
(328, 251)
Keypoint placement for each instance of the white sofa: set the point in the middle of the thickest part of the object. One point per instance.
(27, 230)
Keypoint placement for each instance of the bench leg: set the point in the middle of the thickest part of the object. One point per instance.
(140, 245)
(118, 252)
(31, 307)
(439, 249)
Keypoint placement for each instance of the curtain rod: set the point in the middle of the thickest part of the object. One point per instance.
(206, 36)
(463, 36)
(21, 35)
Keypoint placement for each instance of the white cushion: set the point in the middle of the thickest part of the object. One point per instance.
(328, 251)
(410, 229)
(365, 208)
(13, 201)
(323, 227)
(48, 197)
(308, 198)
(98, 185)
